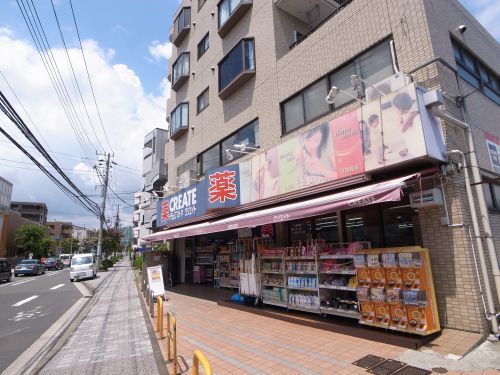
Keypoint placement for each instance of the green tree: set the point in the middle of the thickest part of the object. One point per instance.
(48, 246)
(69, 245)
(30, 238)
(111, 241)
(88, 244)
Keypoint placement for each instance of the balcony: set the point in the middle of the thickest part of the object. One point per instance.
(180, 71)
(182, 25)
(322, 10)
(179, 121)
(230, 12)
(236, 68)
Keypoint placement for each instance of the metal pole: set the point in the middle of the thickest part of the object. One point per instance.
(103, 209)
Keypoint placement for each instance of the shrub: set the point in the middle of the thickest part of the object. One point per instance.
(138, 262)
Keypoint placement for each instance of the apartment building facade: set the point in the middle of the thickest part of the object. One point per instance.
(248, 76)
(33, 211)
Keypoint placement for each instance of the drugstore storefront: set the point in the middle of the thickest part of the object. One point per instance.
(322, 222)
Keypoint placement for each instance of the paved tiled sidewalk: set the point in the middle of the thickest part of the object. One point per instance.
(237, 342)
(113, 338)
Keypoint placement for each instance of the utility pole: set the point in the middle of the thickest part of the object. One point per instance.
(102, 218)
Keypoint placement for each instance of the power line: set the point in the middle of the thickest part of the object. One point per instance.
(11, 113)
(74, 75)
(53, 71)
(88, 75)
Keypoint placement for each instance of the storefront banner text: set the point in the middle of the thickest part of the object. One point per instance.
(223, 187)
(493, 144)
(186, 204)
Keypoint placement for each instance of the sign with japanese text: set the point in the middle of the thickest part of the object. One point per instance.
(223, 187)
(155, 280)
(493, 144)
(186, 204)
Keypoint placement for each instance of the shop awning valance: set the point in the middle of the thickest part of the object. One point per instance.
(386, 191)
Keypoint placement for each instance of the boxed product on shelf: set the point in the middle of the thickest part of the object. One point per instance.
(377, 294)
(373, 260)
(410, 259)
(364, 276)
(382, 314)
(300, 266)
(344, 248)
(378, 279)
(399, 317)
(394, 277)
(271, 252)
(389, 260)
(367, 313)
(363, 293)
(393, 295)
(303, 300)
(412, 278)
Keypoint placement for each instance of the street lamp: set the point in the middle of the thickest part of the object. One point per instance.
(330, 99)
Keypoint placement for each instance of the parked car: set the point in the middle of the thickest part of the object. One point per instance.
(83, 266)
(53, 264)
(29, 267)
(5, 272)
(66, 259)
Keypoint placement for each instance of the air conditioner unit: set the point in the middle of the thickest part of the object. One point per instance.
(187, 179)
(296, 36)
(426, 198)
(393, 83)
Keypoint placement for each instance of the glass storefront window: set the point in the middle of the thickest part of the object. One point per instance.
(301, 230)
(401, 226)
(327, 228)
(364, 225)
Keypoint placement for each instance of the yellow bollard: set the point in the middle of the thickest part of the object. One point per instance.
(159, 319)
(198, 358)
(172, 335)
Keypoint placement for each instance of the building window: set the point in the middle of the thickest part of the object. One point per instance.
(201, 3)
(182, 24)
(476, 73)
(210, 158)
(180, 70)
(373, 65)
(179, 120)
(203, 46)
(492, 196)
(202, 101)
(230, 11)
(237, 66)
(241, 142)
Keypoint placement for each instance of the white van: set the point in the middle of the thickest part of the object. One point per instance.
(83, 266)
(66, 259)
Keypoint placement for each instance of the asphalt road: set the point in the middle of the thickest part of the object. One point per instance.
(29, 305)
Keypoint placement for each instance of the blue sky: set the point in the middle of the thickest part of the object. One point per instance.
(127, 50)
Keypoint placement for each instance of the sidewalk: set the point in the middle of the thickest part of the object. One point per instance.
(237, 342)
(113, 338)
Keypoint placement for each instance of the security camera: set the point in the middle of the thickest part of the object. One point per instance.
(462, 29)
(212, 13)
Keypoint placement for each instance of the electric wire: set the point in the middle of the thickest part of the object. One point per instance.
(53, 71)
(74, 75)
(88, 75)
(11, 113)
(49, 49)
(67, 191)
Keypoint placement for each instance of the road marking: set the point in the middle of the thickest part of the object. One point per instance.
(57, 286)
(21, 282)
(24, 301)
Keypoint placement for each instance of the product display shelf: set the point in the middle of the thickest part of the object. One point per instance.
(349, 272)
(337, 256)
(273, 285)
(307, 289)
(291, 272)
(274, 303)
(337, 287)
(312, 309)
(305, 257)
(336, 266)
(272, 272)
(339, 312)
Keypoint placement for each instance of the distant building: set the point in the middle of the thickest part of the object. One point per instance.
(60, 230)
(5, 195)
(82, 233)
(15, 221)
(33, 211)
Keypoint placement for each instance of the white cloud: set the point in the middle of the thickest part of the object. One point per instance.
(487, 13)
(127, 111)
(160, 51)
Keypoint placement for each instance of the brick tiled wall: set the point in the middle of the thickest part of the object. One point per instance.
(421, 31)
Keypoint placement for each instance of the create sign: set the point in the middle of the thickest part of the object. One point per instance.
(186, 204)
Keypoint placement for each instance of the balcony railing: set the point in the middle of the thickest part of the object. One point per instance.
(182, 25)
(180, 71)
(229, 13)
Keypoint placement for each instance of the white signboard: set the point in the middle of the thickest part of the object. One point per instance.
(155, 280)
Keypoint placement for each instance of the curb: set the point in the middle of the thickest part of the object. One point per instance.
(160, 362)
(52, 340)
